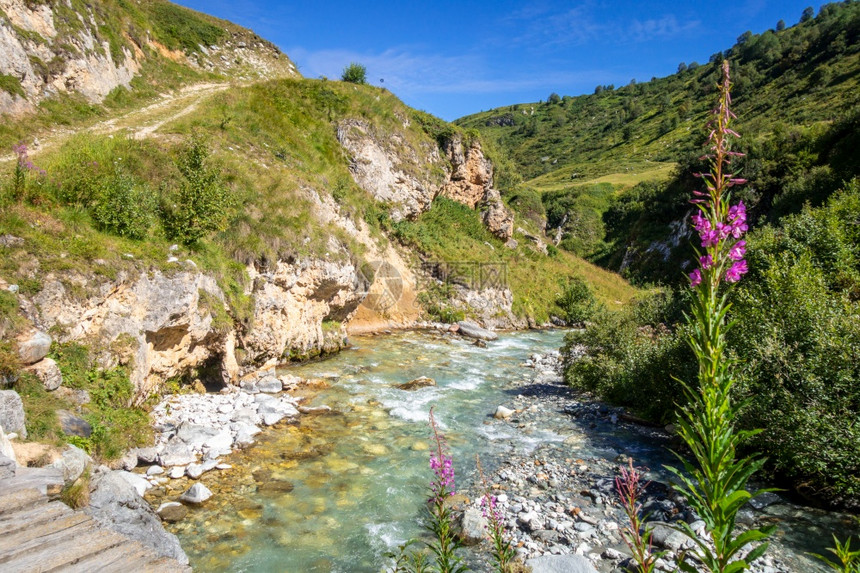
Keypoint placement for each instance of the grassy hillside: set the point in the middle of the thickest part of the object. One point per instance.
(175, 46)
(802, 78)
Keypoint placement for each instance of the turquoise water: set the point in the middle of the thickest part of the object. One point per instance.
(361, 473)
(348, 486)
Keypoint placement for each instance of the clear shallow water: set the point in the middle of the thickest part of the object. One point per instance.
(339, 490)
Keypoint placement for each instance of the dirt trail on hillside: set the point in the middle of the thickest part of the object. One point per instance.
(139, 123)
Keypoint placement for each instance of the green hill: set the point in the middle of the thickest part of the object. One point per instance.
(804, 78)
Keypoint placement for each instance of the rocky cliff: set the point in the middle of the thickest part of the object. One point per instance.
(67, 47)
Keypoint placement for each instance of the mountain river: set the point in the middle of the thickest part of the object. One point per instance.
(339, 489)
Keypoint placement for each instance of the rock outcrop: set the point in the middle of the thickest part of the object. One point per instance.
(49, 50)
(160, 325)
(405, 177)
(299, 309)
(471, 174)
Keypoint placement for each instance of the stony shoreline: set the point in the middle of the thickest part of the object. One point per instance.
(554, 503)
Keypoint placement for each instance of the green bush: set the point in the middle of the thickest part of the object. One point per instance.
(354, 73)
(202, 200)
(632, 363)
(577, 302)
(796, 341)
(124, 207)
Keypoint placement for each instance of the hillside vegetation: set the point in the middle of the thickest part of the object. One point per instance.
(789, 85)
(796, 313)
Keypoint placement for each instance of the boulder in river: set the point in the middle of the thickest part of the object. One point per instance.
(472, 330)
(197, 493)
(503, 413)
(421, 382)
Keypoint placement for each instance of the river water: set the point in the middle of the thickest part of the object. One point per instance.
(339, 489)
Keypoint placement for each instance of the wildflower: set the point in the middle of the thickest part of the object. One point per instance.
(736, 271)
(710, 238)
(738, 212)
(701, 223)
(738, 229)
(696, 278)
(707, 261)
(738, 250)
(441, 464)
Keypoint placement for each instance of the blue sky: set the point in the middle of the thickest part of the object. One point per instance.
(456, 58)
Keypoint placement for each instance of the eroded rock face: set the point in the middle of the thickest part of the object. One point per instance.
(292, 301)
(390, 170)
(471, 175)
(158, 324)
(498, 219)
(50, 55)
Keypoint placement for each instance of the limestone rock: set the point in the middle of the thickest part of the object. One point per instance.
(176, 453)
(472, 330)
(12, 413)
(472, 173)
(48, 373)
(196, 494)
(421, 382)
(406, 178)
(115, 503)
(74, 425)
(561, 564)
(72, 463)
(291, 300)
(33, 347)
(473, 526)
(498, 219)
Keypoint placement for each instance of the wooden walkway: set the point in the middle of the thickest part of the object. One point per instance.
(40, 535)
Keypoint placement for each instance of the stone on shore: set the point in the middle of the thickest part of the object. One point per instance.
(561, 564)
(473, 526)
(197, 493)
(172, 511)
(503, 413)
(115, 504)
(472, 330)
(269, 385)
(72, 463)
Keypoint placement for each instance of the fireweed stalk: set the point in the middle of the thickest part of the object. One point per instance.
(502, 553)
(637, 536)
(441, 524)
(716, 484)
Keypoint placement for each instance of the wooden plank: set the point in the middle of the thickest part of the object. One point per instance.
(12, 500)
(164, 565)
(124, 558)
(32, 517)
(49, 533)
(55, 556)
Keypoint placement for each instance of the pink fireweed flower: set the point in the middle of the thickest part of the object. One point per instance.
(695, 278)
(701, 223)
(707, 261)
(441, 464)
(736, 271)
(724, 230)
(738, 250)
(710, 238)
(738, 229)
(738, 213)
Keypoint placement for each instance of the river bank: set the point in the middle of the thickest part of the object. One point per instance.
(341, 477)
(560, 498)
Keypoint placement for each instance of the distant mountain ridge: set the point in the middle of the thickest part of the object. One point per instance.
(90, 49)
